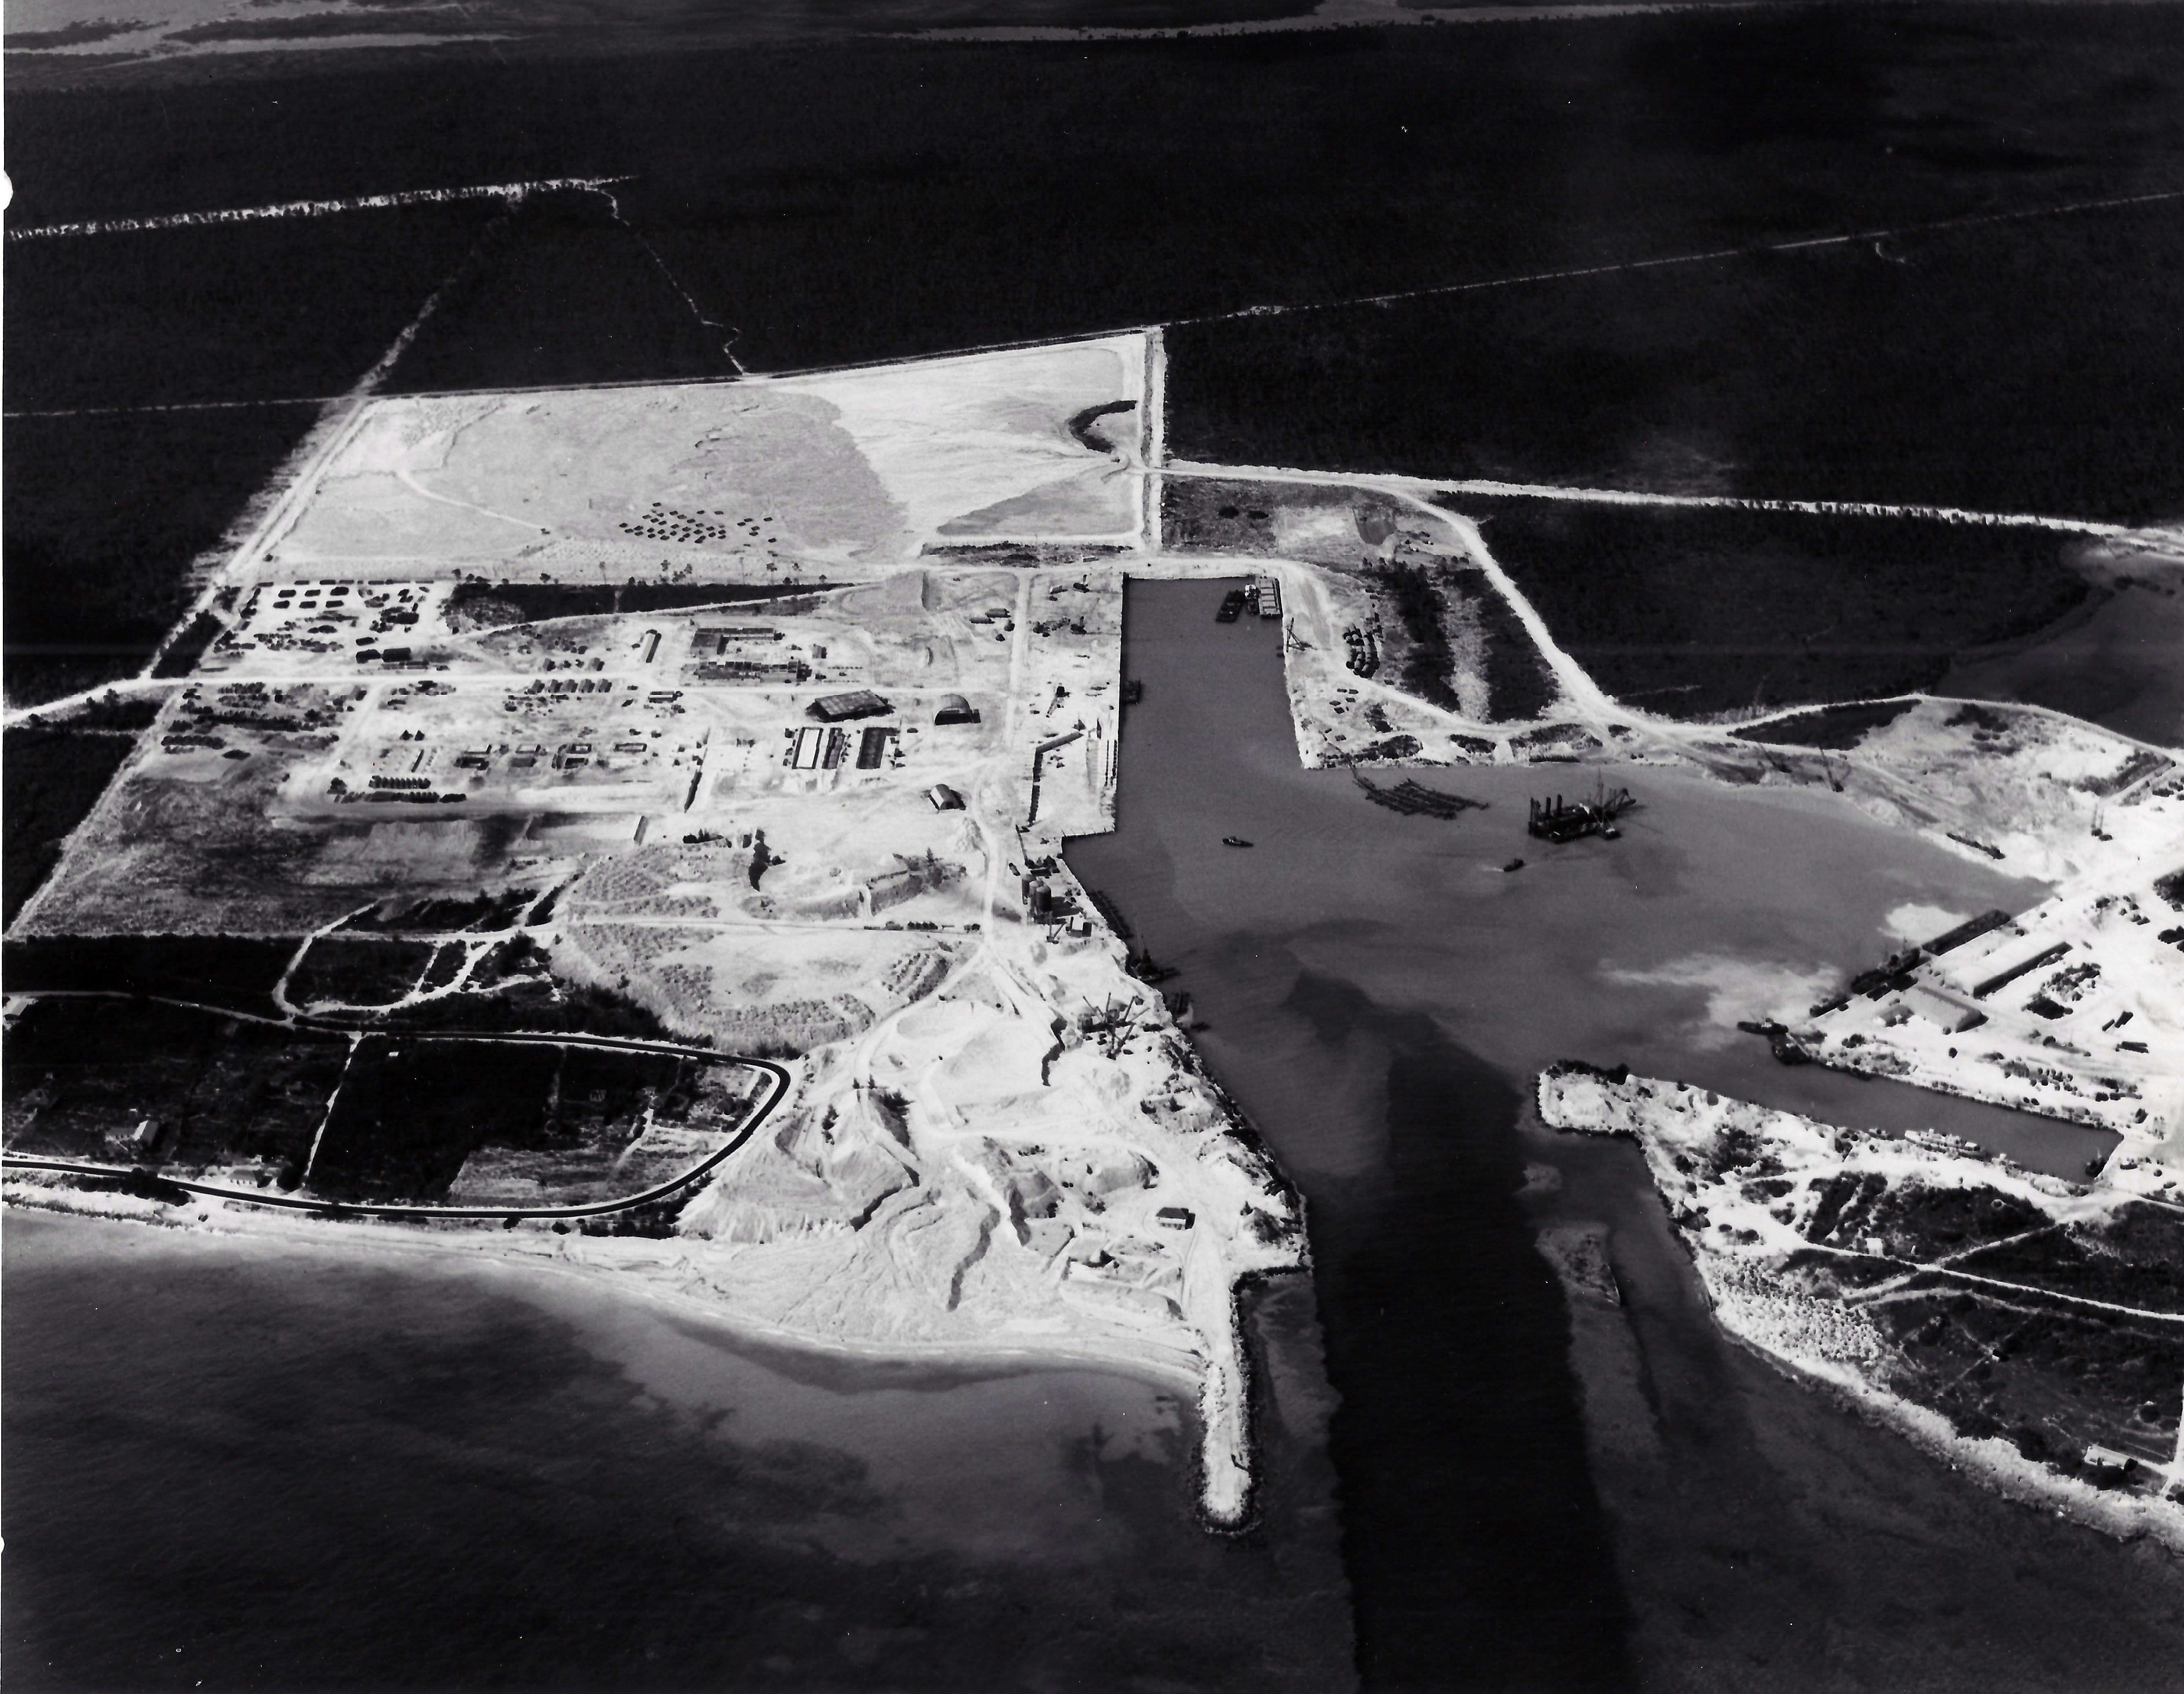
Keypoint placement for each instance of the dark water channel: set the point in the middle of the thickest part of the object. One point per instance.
(1535, 1497)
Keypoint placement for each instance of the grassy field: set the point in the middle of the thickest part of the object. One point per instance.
(1691, 613)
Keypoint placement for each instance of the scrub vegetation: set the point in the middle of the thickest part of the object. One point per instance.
(54, 778)
(845, 204)
(1690, 613)
(561, 291)
(135, 1082)
(2027, 366)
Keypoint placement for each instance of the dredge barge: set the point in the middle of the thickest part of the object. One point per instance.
(1559, 821)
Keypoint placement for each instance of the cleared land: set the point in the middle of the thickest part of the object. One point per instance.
(1389, 598)
(794, 480)
(477, 766)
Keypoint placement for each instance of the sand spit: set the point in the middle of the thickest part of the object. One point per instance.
(1883, 1268)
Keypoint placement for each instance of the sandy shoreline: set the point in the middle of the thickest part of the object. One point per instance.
(239, 1222)
(1807, 1339)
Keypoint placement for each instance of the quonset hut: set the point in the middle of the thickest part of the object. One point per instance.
(841, 708)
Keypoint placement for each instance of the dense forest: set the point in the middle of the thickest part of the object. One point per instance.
(863, 199)
(2034, 366)
(1694, 612)
(561, 291)
(55, 775)
(104, 512)
(108, 498)
(276, 309)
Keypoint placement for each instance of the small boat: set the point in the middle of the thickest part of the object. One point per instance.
(1514, 864)
(1133, 692)
(1234, 841)
(1232, 607)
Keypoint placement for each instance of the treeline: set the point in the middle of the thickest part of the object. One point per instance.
(531, 601)
(1694, 612)
(233, 971)
(870, 197)
(1834, 727)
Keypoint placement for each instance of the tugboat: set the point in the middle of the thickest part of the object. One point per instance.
(1234, 841)
(1232, 607)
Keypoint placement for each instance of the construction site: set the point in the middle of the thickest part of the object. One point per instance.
(751, 718)
(813, 825)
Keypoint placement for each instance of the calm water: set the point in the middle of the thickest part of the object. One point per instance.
(1719, 903)
(1378, 991)
(244, 1465)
